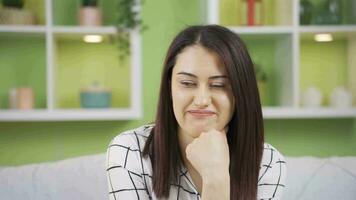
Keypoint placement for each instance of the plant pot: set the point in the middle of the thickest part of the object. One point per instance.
(16, 16)
(90, 16)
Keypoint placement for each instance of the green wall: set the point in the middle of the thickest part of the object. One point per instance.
(29, 142)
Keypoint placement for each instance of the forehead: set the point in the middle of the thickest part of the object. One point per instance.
(199, 61)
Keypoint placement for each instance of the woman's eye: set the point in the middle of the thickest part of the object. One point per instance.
(217, 85)
(187, 83)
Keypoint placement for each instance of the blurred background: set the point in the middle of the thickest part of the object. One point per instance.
(74, 74)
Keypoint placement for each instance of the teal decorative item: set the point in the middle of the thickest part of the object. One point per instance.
(329, 13)
(306, 11)
(95, 96)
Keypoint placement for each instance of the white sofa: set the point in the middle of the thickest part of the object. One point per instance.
(309, 178)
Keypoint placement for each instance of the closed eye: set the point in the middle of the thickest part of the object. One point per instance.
(218, 85)
(188, 83)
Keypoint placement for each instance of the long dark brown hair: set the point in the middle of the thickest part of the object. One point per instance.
(246, 133)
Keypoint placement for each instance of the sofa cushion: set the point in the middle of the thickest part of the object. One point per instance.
(311, 178)
(75, 178)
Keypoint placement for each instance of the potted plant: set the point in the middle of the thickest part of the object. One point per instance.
(13, 13)
(90, 13)
(262, 80)
(127, 18)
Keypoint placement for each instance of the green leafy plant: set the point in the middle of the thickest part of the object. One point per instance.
(13, 3)
(261, 75)
(92, 3)
(128, 18)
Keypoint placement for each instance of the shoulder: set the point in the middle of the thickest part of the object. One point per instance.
(128, 171)
(271, 155)
(273, 171)
(134, 138)
(126, 149)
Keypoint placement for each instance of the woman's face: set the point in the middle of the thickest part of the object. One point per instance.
(201, 92)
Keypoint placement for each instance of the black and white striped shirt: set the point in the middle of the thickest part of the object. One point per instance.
(130, 175)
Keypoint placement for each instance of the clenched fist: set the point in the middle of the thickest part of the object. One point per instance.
(209, 154)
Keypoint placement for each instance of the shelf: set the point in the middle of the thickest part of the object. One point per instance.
(262, 29)
(53, 60)
(291, 58)
(327, 29)
(301, 113)
(69, 115)
(327, 65)
(107, 30)
(22, 29)
(78, 64)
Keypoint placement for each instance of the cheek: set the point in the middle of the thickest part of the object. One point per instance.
(226, 107)
(180, 100)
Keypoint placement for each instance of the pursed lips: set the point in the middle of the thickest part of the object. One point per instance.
(201, 113)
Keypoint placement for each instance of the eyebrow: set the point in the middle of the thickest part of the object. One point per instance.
(194, 76)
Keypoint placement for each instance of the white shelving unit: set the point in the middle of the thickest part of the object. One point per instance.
(52, 112)
(289, 36)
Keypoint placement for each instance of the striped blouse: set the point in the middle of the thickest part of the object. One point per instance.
(129, 174)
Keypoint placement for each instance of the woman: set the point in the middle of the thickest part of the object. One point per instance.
(208, 138)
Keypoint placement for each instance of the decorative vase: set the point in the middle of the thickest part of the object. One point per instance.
(95, 96)
(90, 16)
(340, 98)
(25, 98)
(312, 97)
(9, 15)
(13, 98)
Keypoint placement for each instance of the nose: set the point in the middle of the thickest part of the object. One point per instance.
(202, 97)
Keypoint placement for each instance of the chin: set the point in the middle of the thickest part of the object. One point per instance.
(195, 131)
